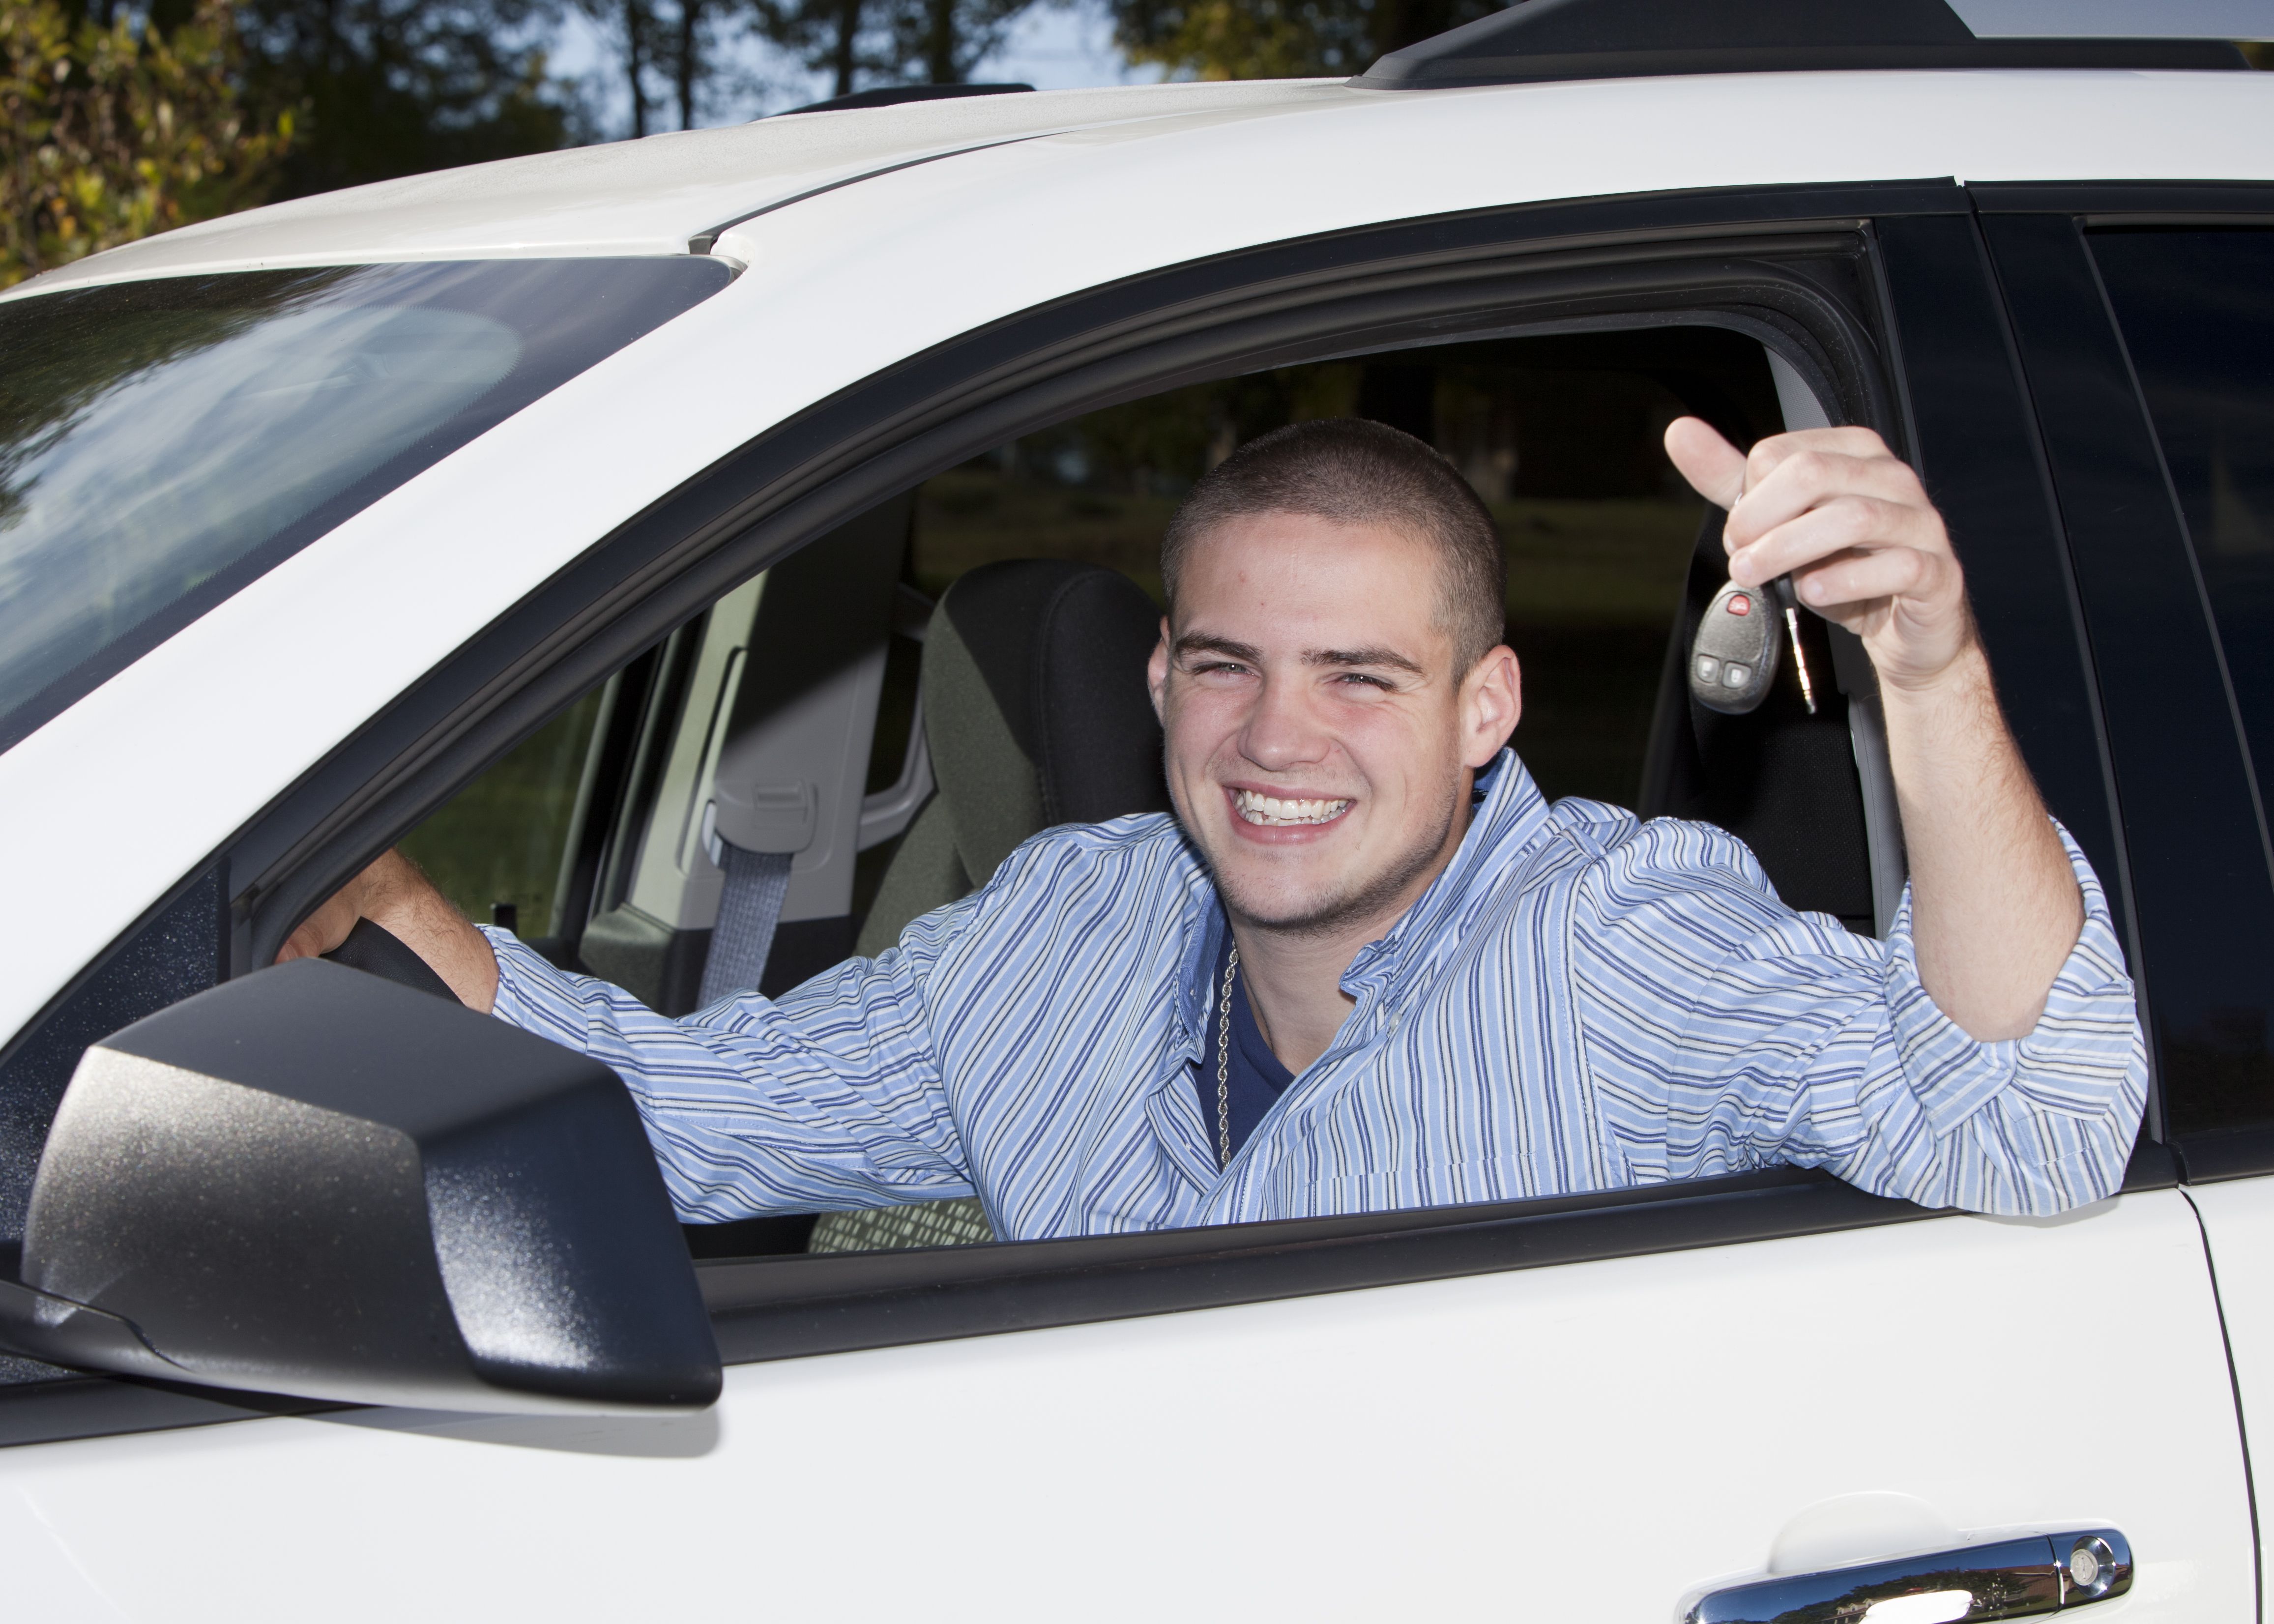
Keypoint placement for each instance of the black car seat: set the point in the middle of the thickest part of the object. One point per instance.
(1036, 711)
(1783, 781)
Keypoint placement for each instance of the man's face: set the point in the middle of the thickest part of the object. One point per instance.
(1320, 742)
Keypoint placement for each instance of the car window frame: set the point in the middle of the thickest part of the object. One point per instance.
(1342, 294)
(2157, 648)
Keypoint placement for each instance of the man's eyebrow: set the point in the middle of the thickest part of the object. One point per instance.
(1201, 642)
(1391, 658)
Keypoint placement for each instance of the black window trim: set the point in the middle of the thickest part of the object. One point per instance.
(797, 1308)
(2210, 1155)
(1302, 300)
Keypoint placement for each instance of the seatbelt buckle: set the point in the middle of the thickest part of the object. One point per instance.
(776, 818)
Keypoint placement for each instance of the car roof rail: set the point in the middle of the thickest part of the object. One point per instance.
(893, 95)
(1539, 40)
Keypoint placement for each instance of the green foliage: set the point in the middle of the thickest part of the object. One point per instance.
(114, 131)
(889, 41)
(389, 87)
(501, 838)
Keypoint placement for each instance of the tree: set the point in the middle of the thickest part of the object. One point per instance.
(827, 35)
(389, 87)
(672, 55)
(940, 41)
(633, 25)
(1280, 39)
(933, 42)
(117, 127)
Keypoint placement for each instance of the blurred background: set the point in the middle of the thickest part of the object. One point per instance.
(121, 117)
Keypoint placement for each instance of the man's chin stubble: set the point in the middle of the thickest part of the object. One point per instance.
(1334, 916)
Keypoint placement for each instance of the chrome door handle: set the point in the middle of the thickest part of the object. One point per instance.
(2016, 1578)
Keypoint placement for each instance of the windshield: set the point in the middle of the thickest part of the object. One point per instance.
(163, 443)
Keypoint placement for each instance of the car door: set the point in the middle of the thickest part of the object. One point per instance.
(1584, 1407)
(2144, 319)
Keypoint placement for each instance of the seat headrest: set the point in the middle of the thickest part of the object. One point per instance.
(1036, 705)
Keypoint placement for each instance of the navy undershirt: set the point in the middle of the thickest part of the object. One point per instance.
(1256, 1076)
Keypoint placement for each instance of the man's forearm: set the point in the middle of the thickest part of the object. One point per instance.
(393, 894)
(1994, 903)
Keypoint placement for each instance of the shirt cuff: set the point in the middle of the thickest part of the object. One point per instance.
(2087, 1042)
(525, 979)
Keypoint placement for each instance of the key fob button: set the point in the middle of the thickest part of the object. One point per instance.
(1735, 675)
(1709, 669)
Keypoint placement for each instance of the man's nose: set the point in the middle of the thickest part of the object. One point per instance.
(1283, 731)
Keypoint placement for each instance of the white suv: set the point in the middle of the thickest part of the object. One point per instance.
(539, 515)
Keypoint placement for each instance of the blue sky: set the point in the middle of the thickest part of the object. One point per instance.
(1056, 46)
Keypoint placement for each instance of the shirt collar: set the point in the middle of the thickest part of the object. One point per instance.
(1508, 819)
(1509, 816)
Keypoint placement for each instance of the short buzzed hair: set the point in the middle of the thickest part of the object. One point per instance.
(1350, 472)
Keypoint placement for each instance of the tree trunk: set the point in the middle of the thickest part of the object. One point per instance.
(939, 42)
(688, 66)
(636, 63)
(845, 58)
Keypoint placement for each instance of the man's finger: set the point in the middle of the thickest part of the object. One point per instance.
(1815, 479)
(1845, 523)
(1771, 453)
(1714, 468)
(1869, 577)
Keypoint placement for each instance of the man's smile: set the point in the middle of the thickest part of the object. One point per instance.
(1277, 812)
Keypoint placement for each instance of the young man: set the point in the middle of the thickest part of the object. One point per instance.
(1366, 966)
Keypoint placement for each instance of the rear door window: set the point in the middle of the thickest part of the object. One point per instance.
(2197, 309)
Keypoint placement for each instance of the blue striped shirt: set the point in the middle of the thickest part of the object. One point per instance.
(1580, 1001)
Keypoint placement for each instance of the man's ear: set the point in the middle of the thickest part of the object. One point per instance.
(1491, 702)
(1156, 673)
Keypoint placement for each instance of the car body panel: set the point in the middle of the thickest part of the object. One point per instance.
(1582, 1442)
(1586, 1441)
(643, 197)
(1486, 145)
(2238, 1220)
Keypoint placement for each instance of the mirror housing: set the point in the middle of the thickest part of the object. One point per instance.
(310, 1181)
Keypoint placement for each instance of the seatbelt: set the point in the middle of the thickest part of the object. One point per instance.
(753, 836)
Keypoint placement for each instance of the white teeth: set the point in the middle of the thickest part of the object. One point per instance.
(1269, 809)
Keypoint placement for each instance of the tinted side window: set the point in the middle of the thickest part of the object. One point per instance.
(2197, 313)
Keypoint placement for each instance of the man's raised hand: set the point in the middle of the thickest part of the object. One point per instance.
(1852, 525)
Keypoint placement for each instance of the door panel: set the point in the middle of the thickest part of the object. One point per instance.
(1585, 1441)
(2238, 1220)
(2170, 329)
(1582, 1442)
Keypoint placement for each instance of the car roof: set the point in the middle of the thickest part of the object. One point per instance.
(653, 196)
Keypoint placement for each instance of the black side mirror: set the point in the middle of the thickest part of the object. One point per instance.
(313, 1182)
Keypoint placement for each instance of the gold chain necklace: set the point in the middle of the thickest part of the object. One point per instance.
(1224, 1065)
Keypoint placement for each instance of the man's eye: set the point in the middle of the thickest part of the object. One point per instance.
(1362, 680)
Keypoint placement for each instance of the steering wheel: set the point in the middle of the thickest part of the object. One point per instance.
(377, 950)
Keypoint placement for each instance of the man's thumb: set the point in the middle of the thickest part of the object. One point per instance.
(1714, 468)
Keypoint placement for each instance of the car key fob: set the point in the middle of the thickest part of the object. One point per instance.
(1733, 660)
